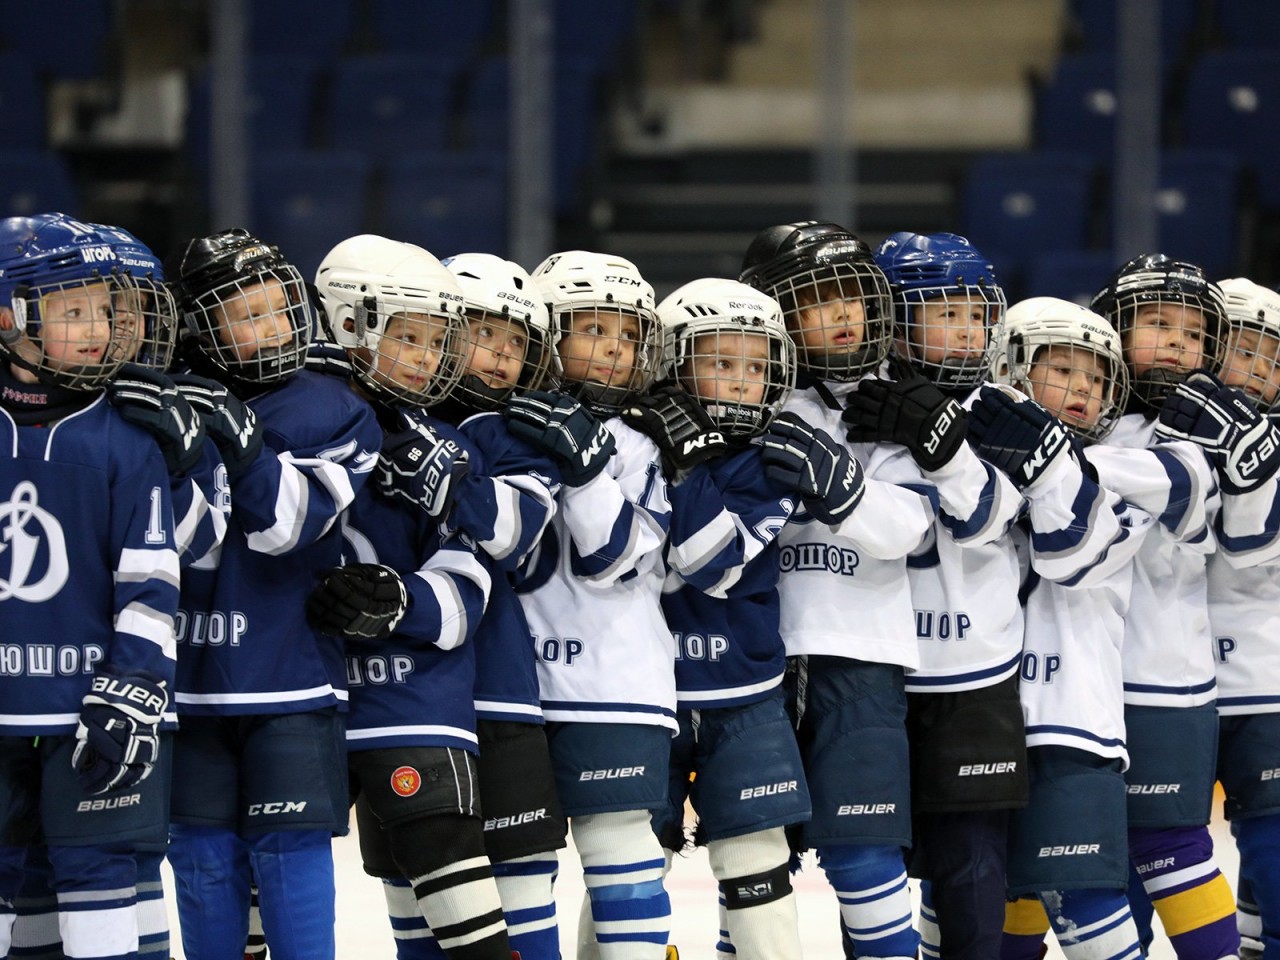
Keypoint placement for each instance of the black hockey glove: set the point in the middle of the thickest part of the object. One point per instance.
(117, 739)
(148, 398)
(675, 420)
(231, 423)
(361, 601)
(1019, 437)
(910, 411)
(812, 463)
(1244, 444)
(421, 467)
(564, 429)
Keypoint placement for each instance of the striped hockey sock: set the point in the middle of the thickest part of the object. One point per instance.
(1191, 896)
(1092, 924)
(526, 886)
(875, 905)
(622, 864)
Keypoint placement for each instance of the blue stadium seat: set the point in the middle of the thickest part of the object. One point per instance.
(62, 39)
(1233, 103)
(1076, 108)
(1074, 275)
(1017, 206)
(385, 105)
(300, 27)
(595, 30)
(305, 202)
(1248, 23)
(35, 181)
(1198, 209)
(444, 27)
(1096, 23)
(447, 202)
(21, 103)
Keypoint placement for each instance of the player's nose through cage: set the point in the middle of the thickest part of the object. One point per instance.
(244, 305)
(1251, 358)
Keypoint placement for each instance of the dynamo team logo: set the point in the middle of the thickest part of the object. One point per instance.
(24, 527)
(405, 781)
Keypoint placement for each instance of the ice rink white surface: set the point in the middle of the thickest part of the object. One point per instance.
(363, 932)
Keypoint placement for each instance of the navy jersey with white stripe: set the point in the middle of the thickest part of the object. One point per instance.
(88, 569)
(201, 505)
(244, 644)
(721, 600)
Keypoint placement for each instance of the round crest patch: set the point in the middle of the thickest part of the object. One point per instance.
(405, 781)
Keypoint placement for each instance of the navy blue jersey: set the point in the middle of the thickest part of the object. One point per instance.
(725, 520)
(201, 504)
(504, 505)
(244, 643)
(88, 569)
(414, 688)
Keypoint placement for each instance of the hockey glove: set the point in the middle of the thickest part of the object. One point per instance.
(361, 601)
(1019, 437)
(561, 427)
(325, 356)
(149, 399)
(420, 466)
(231, 423)
(910, 411)
(117, 740)
(812, 463)
(676, 421)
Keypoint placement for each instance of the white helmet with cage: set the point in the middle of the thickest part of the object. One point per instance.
(399, 313)
(1034, 325)
(499, 295)
(727, 344)
(1251, 360)
(591, 296)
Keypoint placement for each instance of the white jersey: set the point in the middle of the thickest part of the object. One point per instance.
(605, 654)
(844, 589)
(1168, 648)
(1244, 611)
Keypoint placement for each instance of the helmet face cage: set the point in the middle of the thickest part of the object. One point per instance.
(1251, 357)
(840, 316)
(417, 358)
(1171, 321)
(256, 327)
(950, 333)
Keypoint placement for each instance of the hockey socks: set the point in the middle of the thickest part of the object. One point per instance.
(1092, 924)
(1258, 840)
(35, 928)
(526, 886)
(255, 946)
(97, 904)
(211, 879)
(1248, 920)
(1193, 899)
(153, 915)
(294, 870)
(755, 886)
(1025, 926)
(622, 864)
(875, 905)
(963, 856)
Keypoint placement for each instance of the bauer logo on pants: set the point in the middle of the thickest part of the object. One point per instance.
(405, 781)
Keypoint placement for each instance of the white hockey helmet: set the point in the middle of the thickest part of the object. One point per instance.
(695, 318)
(577, 282)
(498, 293)
(368, 285)
(1031, 325)
(1250, 361)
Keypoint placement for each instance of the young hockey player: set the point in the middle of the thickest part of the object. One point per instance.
(1171, 322)
(733, 366)
(1068, 848)
(845, 600)
(1244, 613)
(964, 721)
(259, 764)
(408, 603)
(88, 690)
(592, 596)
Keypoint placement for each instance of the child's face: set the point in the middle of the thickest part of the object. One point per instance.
(728, 367)
(1071, 383)
(498, 349)
(1251, 365)
(1165, 336)
(76, 326)
(952, 329)
(600, 346)
(256, 320)
(409, 351)
(828, 319)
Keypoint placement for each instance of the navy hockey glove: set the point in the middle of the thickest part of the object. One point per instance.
(361, 601)
(563, 428)
(325, 356)
(420, 466)
(117, 739)
(676, 421)
(148, 398)
(231, 423)
(812, 463)
(910, 411)
(1019, 437)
